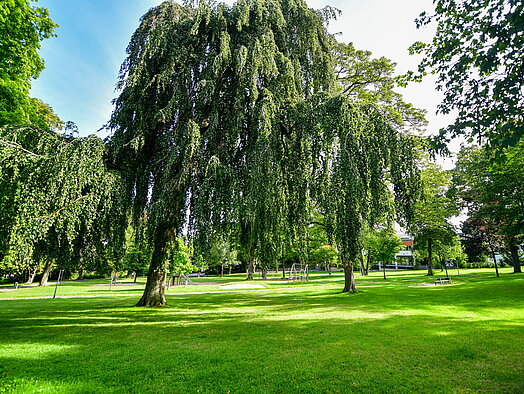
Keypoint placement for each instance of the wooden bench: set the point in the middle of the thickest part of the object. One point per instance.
(443, 281)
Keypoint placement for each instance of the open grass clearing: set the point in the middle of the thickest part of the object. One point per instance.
(101, 287)
(389, 337)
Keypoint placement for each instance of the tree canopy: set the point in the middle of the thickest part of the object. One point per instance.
(228, 117)
(478, 58)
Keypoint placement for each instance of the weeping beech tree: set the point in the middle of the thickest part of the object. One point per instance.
(225, 125)
(56, 193)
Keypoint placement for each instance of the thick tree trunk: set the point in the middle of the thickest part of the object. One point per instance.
(250, 268)
(515, 258)
(264, 273)
(31, 275)
(222, 271)
(430, 257)
(45, 275)
(154, 291)
(349, 278)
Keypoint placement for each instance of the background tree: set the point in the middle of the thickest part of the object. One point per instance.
(478, 58)
(383, 246)
(221, 255)
(430, 224)
(492, 192)
(372, 80)
(179, 260)
(58, 200)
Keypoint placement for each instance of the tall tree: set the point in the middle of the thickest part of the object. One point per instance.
(201, 123)
(430, 224)
(227, 113)
(478, 58)
(492, 192)
(372, 80)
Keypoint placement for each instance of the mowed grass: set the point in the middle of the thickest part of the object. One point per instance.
(125, 286)
(391, 337)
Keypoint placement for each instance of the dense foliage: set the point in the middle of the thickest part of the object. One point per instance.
(58, 201)
(228, 114)
(478, 58)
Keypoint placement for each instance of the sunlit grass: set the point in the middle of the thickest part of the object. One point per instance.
(390, 337)
(216, 283)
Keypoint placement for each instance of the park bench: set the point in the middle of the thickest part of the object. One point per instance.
(443, 281)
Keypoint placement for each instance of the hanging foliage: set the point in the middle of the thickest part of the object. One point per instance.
(57, 199)
(226, 123)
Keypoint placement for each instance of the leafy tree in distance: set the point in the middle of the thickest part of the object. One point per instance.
(492, 192)
(369, 80)
(478, 59)
(430, 224)
(58, 201)
(383, 246)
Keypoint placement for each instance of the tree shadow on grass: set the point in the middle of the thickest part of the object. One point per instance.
(252, 345)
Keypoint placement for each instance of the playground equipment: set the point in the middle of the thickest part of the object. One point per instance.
(179, 280)
(298, 272)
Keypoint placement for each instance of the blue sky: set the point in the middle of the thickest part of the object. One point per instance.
(82, 63)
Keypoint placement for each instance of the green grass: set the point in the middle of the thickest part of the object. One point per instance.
(390, 337)
(101, 287)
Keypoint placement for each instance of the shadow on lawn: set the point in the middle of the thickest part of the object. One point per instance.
(385, 338)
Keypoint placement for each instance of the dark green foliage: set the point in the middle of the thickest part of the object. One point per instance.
(493, 192)
(57, 199)
(478, 58)
(227, 118)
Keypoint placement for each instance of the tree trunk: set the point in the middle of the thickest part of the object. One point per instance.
(31, 275)
(514, 250)
(495, 261)
(134, 277)
(250, 268)
(369, 260)
(230, 269)
(349, 278)
(222, 271)
(283, 270)
(45, 275)
(430, 257)
(384, 269)
(154, 291)
(264, 273)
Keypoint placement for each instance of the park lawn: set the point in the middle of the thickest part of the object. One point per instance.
(100, 287)
(395, 336)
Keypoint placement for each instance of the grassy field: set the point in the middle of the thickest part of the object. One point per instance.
(101, 287)
(397, 336)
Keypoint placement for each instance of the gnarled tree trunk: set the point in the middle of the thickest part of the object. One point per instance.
(154, 291)
(45, 275)
(349, 278)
